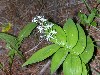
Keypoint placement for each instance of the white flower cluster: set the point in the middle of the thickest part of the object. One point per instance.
(39, 19)
(48, 26)
(50, 35)
(42, 28)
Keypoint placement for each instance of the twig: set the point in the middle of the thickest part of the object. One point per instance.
(93, 69)
(1, 23)
(45, 67)
(34, 47)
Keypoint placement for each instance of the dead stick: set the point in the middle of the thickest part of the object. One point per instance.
(45, 67)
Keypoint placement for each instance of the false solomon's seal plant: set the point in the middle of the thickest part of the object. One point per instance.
(13, 43)
(71, 47)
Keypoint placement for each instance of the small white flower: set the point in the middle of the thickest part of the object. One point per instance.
(39, 19)
(34, 20)
(53, 32)
(48, 26)
(43, 19)
(40, 28)
(48, 37)
(41, 36)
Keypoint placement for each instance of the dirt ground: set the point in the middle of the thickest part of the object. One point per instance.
(20, 12)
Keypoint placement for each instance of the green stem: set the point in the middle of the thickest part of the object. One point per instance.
(19, 52)
(11, 58)
(88, 7)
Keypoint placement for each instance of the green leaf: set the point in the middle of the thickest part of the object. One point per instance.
(25, 32)
(11, 42)
(94, 10)
(88, 52)
(93, 23)
(11, 52)
(81, 44)
(58, 59)
(42, 54)
(72, 65)
(81, 17)
(8, 46)
(85, 18)
(11, 56)
(9, 39)
(71, 33)
(60, 37)
(91, 17)
(15, 49)
(84, 70)
(1, 66)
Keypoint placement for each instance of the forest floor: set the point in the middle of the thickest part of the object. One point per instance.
(20, 12)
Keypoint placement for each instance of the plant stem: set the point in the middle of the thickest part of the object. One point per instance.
(19, 52)
(88, 7)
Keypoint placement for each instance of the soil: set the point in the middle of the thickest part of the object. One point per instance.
(20, 12)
